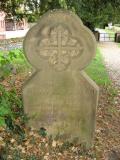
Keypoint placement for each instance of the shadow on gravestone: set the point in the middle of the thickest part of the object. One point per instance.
(59, 96)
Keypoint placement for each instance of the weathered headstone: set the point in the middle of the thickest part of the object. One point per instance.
(59, 96)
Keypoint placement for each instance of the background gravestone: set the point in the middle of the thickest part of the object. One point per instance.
(59, 96)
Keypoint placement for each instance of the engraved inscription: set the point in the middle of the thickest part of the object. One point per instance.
(59, 47)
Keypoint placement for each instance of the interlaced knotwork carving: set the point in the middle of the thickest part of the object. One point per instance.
(59, 47)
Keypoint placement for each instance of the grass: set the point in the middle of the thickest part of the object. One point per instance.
(12, 61)
(97, 71)
(110, 31)
(15, 58)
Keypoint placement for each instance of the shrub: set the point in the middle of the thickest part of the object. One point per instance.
(12, 62)
(10, 104)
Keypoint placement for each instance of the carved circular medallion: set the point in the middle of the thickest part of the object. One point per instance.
(59, 41)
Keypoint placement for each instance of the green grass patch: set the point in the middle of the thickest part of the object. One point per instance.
(109, 31)
(10, 104)
(12, 62)
(119, 45)
(97, 71)
(15, 60)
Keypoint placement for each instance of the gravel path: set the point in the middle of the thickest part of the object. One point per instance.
(111, 55)
(4, 45)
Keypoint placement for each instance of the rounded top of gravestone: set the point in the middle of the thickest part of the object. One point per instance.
(59, 41)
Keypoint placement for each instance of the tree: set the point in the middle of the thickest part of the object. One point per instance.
(12, 7)
(92, 12)
(96, 13)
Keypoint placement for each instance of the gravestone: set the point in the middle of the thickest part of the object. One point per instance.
(59, 96)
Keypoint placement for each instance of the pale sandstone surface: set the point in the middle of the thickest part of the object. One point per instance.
(59, 96)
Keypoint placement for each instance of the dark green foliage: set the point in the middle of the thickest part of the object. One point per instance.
(42, 132)
(17, 155)
(33, 157)
(5, 104)
(12, 62)
(9, 122)
(93, 12)
(18, 130)
(10, 106)
(14, 128)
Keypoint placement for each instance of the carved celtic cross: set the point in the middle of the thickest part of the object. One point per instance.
(59, 47)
